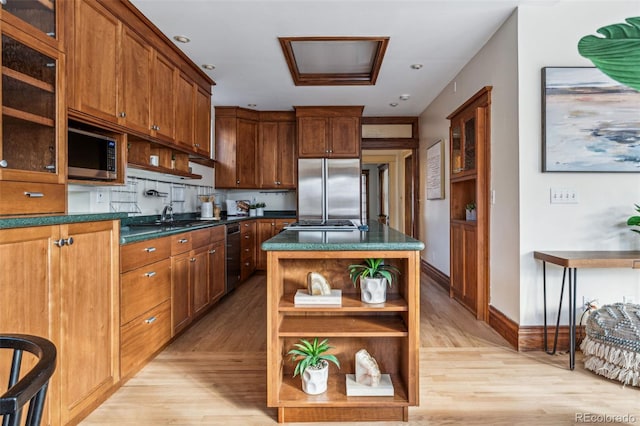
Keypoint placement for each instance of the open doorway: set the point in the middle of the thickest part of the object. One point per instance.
(390, 155)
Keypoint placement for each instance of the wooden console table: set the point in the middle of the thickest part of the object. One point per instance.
(571, 261)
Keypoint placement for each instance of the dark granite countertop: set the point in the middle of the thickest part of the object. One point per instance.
(22, 222)
(378, 237)
(132, 234)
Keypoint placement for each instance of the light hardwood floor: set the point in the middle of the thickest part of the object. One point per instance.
(215, 374)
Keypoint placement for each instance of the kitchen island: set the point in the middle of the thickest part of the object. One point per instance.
(389, 331)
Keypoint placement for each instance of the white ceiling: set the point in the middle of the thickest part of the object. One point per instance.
(240, 37)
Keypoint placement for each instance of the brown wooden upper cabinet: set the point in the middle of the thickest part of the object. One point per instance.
(32, 148)
(277, 150)
(118, 76)
(332, 132)
(236, 138)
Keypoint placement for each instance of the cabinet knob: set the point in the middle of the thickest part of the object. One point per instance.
(193, 259)
(150, 320)
(122, 114)
(183, 240)
(3, 163)
(238, 182)
(150, 249)
(157, 127)
(197, 145)
(62, 242)
(211, 251)
(150, 274)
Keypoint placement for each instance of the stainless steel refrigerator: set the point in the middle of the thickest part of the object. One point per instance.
(328, 189)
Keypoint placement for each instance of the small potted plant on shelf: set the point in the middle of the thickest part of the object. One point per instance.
(374, 275)
(470, 211)
(260, 208)
(313, 364)
(252, 210)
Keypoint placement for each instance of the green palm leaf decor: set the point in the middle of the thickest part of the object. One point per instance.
(617, 54)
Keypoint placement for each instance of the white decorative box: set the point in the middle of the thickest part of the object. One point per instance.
(303, 298)
(385, 388)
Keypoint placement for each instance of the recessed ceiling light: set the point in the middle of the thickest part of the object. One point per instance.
(208, 67)
(252, 105)
(405, 97)
(393, 104)
(182, 39)
(416, 66)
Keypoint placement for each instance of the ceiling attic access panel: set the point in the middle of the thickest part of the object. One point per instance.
(334, 61)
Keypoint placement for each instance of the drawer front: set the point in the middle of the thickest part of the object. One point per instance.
(218, 233)
(247, 250)
(247, 268)
(32, 198)
(247, 228)
(200, 238)
(135, 255)
(144, 288)
(181, 243)
(144, 336)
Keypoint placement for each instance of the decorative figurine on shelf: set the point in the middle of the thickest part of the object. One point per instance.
(367, 370)
(317, 285)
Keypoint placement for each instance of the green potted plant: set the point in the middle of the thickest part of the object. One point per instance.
(470, 211)
(374, 275)
(634, 220)
(252, 210)
(313, 364)
(260, 208)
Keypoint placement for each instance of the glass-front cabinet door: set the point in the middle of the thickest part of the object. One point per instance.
(463, 144)
(30, 139)
(40, 14)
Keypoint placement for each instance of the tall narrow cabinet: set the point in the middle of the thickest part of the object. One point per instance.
(469, 184)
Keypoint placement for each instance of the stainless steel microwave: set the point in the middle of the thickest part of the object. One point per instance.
(91, 156)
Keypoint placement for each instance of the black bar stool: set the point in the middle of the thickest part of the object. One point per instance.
(32, 388)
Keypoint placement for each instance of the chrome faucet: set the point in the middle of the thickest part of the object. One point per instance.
(167, 209)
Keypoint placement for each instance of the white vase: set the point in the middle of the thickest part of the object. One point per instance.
(470, 214)
(314, 381)
(373, 290)
(252, 212)
(260, 211)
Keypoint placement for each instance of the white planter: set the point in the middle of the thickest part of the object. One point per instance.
(260, 211)
(471, 214)
(314, 381)
(373, 290)
(252, 212)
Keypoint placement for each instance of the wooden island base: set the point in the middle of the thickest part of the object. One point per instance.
(388, 331)
(342, 414)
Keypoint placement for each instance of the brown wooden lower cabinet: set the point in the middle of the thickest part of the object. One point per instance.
(464, 282)
(267, 228)
(68, 294)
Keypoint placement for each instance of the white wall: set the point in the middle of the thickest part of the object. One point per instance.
(495, 65)
(548, 37)
(522, 218)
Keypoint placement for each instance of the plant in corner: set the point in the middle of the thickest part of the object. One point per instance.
(635, 220)
(374, 275)
(260, 208)
(312, 364)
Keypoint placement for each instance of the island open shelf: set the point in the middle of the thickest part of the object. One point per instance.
(389, 331)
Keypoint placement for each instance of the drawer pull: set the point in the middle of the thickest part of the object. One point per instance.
(34, 194)
(150, 249)
(211, 251)
(3, 163)
(246, 237)
(151, 320)
(150, 274)
(183, 240)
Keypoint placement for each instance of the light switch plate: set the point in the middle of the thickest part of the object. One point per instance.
(563, 196)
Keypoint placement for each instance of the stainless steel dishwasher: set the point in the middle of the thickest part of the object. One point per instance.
(233, 256)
